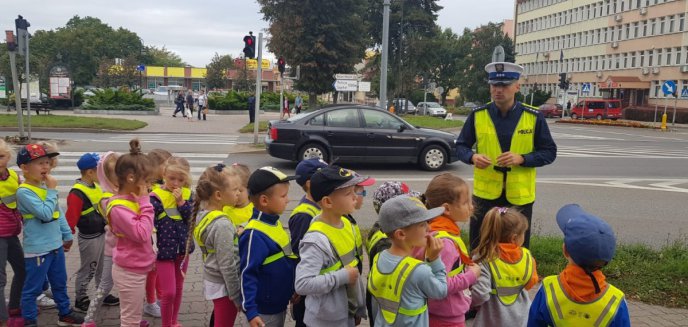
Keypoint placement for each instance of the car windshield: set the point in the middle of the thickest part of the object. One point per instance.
(297, 117)
(433, 105)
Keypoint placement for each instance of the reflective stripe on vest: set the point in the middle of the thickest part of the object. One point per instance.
(94, 195)
(169, 204)
(387, 288)
(520, 181)
(277, 234)
(374, 238)
(43, 194)
(8, 189)
(567, 312)
(458, 266)
(131, 205)
(306, 208)
(508, 279)
(342, 241)
(203, 224)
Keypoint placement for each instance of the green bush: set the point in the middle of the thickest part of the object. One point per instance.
(120, 99)
(237, 100)
(125, 107)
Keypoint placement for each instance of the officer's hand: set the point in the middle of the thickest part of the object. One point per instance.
(433, 248)
(50, 181)
(475, 269)
(508, 159)
(481, 161)
(257, 322)
(353, 274)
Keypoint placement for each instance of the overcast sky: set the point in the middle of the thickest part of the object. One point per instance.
(197, 29)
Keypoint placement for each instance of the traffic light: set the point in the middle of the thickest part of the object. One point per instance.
(250, 46)
(11, 44)
(281, 65)
(22, 26)
(562, 81)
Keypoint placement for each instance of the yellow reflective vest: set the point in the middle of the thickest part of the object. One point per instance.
(43, 194)
(169, 204)
(374, 238)
(566, 312)
(458, 266)
(239, 216)
(133, 206)
(8, 190)
(509, 279)
(489, 183)
(343, 241)
(203, 224)
(94, 195)
(277, 234)
(387, 289)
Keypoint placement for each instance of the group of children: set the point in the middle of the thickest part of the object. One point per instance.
(138, 220)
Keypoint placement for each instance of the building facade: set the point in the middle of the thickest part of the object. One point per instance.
(622, 49)
(194, 78)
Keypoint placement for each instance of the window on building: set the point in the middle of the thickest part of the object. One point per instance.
(633, 54)
(678, 56)
(642, 58)
(635, 31)
(681, 22)
(644, 24)
(668, 56)
(662, 22)
(656, 88)
(650, 58)
(624, 64)
(653, 23)
(628, 32)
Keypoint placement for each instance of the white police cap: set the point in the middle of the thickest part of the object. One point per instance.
(503, 72)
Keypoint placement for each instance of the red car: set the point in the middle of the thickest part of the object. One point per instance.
(550, 110)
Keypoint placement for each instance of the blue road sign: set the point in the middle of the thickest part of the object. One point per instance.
(669, 87)
(585, 88)
(140, 68)
(684, 93)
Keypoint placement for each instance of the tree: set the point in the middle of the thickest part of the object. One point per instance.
(445, 59)
(117, 74)
(323, 37)
(155, 56)
(216, 76)
(538, 98)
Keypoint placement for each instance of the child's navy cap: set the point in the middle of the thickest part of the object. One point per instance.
(88, 161)
(32, 152)
(263, 178)
(331, 178)
(588, 238)
(306, 168)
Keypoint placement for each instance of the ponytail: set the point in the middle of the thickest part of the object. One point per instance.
(499, 226)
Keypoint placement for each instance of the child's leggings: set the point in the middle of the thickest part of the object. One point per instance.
(171, 286)
(102, 291)
(131, 288)
(225, 312)
(151, 289)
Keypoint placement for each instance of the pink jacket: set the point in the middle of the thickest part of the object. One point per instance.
(453, 308)
(106, 186)
(134, 248)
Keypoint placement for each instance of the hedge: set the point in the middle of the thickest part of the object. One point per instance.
(647, 114)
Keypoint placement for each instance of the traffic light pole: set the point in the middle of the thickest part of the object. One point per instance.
(17, 94)
(259, 88)
(385, 54)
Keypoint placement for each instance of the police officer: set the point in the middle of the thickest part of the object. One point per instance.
(511, 139)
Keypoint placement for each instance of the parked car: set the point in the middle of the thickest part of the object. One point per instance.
(471, 104)
(357, 133)
(401, 107)
(597, 108)
(433, 109)
(551, 110)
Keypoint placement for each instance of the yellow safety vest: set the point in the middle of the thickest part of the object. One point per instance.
(203, 224)
(106, 195)
(277, 234)
(567, 312)
(509, 279)
(43, 194)
(133, 206)
(8, 190)
(374, 238)
(343, 242)
(489, 183)
(169, 204)
(387, 289)
(94, 195)
(459, 264)
(186, 193)
(359, 240)
(239, 216)
(306, 208)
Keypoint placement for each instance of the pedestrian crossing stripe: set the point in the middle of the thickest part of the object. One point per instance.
(684, 93)
(586, 88)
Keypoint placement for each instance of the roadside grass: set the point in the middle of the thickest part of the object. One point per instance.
(58, 121)
(653, 276)
(432, 122)
(248, 128)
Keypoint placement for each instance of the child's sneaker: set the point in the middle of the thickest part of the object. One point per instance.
(89, 324)
(81, 305)
(44, 302)
(15, 322)
(111, 300)
(72, 319)
(144, 323)
(152, 309)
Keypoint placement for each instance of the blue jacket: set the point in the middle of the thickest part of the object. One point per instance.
(539, 314)
(42, 233)
(264, 289)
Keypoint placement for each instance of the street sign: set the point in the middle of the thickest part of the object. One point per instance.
(346, 76)
(253, 63)
(684, 93)
(3, 88)
(669, 87)
(363, 86)
(345, 85)
(585, 88)
(140, 68)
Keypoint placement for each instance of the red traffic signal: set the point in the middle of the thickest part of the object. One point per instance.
(250, 46)
(281, 65)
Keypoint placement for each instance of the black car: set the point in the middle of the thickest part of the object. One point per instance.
(356, 133)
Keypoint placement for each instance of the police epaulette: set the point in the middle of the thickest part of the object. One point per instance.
(530, 108)
(483, 107)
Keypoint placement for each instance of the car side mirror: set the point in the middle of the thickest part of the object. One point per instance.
(401, 128)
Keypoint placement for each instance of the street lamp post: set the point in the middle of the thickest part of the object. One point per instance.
(385, 53)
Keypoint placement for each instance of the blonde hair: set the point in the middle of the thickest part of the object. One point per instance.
(178, 165)
(6, 148)
(109, 169)
(499, 226)
(443, 188)
(241, 171)
(50, 147)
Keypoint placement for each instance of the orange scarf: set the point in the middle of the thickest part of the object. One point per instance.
(443, 223)
(512, 253)
(578, 284)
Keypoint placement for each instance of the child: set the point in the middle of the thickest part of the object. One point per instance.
(580, 295)
(399, 283)
(130, 214)
(10, 227)
(327, 273)
(216, 236)
(507, 270)
(45, 299)
(83, 211)
(173, 214)
(267, 262)
(107, 180)
(300, 220)
(46, 236)
(242, 212)
(359, 190)
(451, 193)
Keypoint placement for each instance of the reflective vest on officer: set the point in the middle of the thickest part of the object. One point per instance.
(374, 238)
(509, 279)
(8, 190)
(458, 266)
(169, 204)
(131, 205)
(203, 224)
(566, 312)
(387, 289)
(94, 195)
(489, 183)
(42, 194)
(277, 234)
(343, 241)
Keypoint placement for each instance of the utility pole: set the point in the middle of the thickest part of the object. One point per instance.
(385, 54)
(23, 35)
(12, 49)
(259, 88)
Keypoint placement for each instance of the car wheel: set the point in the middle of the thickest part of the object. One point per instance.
(312, 150)
(574, 116)
(433, 158)
(599, 117)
